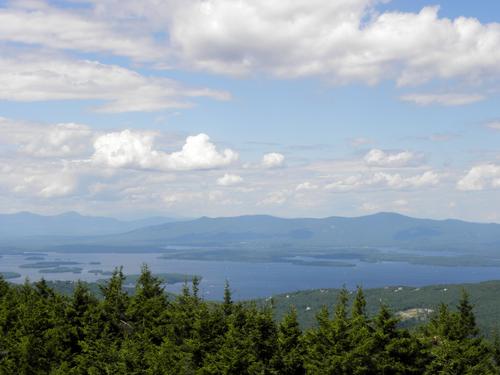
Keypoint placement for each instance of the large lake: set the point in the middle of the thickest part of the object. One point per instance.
(252, 280)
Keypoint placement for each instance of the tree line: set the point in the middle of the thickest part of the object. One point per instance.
(148, 332)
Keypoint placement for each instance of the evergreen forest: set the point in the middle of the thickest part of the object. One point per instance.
(149, 332)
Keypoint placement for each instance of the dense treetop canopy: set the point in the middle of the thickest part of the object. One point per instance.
(148, 332)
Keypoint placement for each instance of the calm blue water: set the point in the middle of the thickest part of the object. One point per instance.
(251, 280)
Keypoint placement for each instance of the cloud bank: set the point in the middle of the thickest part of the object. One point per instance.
(29, 78)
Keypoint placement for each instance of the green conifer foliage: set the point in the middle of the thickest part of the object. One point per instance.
(290, 352)
(44, 332)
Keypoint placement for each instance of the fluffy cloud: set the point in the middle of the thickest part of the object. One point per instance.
(380, 158)
(306, 186)
(385, 181)
(57, 185)
(480, 177)
(39, 180)
(229, 179)
(39, 24)
(449, 100)
(59, 140)
(396, 181)
(348, 183)
(30, 78)
(341, 40)
(129, 149)
(273, 160)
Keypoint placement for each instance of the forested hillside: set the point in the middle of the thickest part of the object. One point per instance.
(44, 332)
(414, 305)
(402, 300)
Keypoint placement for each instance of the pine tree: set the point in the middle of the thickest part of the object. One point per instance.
(456, 348)
(341, 327)
(395, 351)
(228, 301)
(77, 314)
(114, 305)
(147, 303)
(318, 342)
(328, 344)
(290, 354)
(466, 320)
(195, 286)
(148, 286)
(44, 332)
(358, 358)
(442, 325)
(359, 305)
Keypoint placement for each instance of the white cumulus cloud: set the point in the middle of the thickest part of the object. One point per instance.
(380, 158)
(58, 186)
(129, 149)
(340, 41)
(273, 160)
(229, 179)
(58, 140)
(40, 180)
(306, 186)
(343, 40)
(396, 181)
(392, 181)
(480, 177)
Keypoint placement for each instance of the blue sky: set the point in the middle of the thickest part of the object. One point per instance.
(215, 107)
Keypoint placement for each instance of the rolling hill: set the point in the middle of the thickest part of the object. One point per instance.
(378, 230)
(413, 305)
(24, 224)
(378, 237)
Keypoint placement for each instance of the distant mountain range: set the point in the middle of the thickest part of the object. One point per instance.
(25, 224)
(382, 230)
(378, 230)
